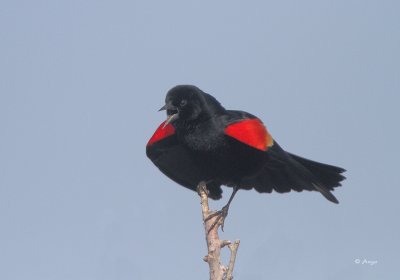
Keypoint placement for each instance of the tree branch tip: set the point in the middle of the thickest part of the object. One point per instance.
(202, 189)
(233, 247)
(225, 243)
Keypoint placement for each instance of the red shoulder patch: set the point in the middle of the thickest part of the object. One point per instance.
(251, 132)
(161, 133)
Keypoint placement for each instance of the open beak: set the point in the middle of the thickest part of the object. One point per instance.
(170, 117)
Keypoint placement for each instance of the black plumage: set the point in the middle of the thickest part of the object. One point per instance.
(202, 141)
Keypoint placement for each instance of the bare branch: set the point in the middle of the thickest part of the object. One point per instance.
(214, 245)
(233, 247)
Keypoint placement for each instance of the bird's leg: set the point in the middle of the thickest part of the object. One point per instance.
(223, 213)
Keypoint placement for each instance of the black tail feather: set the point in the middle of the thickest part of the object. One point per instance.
(324, 177)
(284, 172)
(328, 175)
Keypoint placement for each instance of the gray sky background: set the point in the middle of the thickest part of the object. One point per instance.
(81, 82)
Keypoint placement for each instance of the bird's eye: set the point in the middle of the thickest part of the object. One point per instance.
(183, 102)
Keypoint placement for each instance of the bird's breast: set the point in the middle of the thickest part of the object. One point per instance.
(203, 140)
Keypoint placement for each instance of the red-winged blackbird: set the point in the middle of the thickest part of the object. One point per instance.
(202, 141)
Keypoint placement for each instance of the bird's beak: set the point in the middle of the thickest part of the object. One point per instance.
(170, 117)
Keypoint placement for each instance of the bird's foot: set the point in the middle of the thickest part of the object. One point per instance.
(221, 215)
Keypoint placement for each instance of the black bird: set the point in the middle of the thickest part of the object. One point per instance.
(202, 141)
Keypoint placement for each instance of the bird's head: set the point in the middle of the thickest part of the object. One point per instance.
(186, 103)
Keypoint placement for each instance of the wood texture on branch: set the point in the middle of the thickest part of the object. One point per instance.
(218, 271)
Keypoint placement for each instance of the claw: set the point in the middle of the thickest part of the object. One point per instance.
(222, 214)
